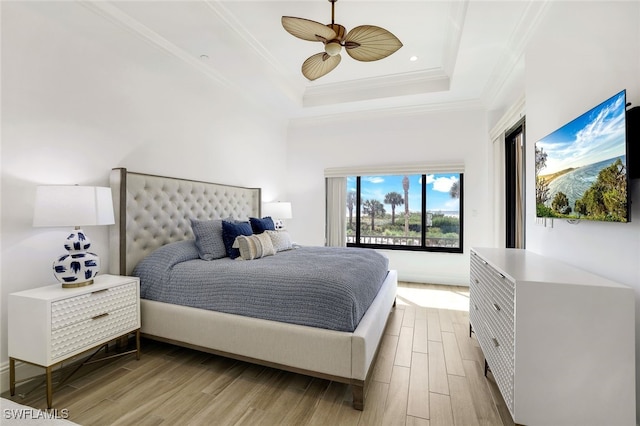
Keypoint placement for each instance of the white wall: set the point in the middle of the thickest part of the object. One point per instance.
(78, 101)
(582, 54)
(429, 137)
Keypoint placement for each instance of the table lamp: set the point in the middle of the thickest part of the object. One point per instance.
(73, 205)
(278, 211)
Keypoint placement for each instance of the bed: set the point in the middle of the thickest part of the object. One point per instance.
(154, 212)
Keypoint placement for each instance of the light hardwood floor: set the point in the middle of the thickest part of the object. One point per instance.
(428, 372)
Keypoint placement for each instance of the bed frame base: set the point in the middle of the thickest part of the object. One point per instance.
(358, 387)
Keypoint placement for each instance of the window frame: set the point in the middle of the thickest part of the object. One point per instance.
(422, 247)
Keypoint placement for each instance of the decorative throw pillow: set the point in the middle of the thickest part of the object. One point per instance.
(231, 231)
(281, 240)
(260, 225)
(254, 246)
(209, 240)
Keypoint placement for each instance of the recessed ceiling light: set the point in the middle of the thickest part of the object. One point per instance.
(413, 58)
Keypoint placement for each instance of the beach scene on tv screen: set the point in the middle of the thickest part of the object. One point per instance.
(581, 167)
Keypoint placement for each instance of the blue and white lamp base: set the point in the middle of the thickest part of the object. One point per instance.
(79, 266)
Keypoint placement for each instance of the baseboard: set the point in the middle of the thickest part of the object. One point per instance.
(443, 280)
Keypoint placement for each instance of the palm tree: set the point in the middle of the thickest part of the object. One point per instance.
(394, 199)
(351, 202)
(373, 208)
(454, 191)
(542, 186)
(405, 186)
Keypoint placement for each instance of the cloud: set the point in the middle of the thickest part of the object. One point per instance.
(441, 184)
(374, 179)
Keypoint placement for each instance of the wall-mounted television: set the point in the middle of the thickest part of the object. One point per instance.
(581, 168)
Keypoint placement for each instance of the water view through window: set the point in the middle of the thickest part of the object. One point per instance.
(411, 212)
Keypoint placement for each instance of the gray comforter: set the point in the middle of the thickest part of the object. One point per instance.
(325, 287)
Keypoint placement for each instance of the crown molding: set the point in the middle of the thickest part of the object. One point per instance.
(457, 15)
(418, 82)
(515, 49)
(287, 86)
(386, 112)
(112, 13)
(115, 15)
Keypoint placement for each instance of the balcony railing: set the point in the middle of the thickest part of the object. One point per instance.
(404, 241)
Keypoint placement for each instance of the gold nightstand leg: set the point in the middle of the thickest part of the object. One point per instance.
(12, 376)
(49, 387)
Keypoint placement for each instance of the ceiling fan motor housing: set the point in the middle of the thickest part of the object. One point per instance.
(334, 46)
(339, 30)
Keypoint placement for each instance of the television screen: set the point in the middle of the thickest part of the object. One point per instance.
(581, 168)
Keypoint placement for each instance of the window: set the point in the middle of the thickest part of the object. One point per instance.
(406, 212)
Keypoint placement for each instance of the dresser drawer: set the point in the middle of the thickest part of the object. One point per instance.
(77, 309)
(492, 315)
(89, 332)
(500, 359)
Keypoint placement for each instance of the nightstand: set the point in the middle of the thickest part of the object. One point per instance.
(49, 325)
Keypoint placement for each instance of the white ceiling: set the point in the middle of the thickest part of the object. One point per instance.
(470, 53)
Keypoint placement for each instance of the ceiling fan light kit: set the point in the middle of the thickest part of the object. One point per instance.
(365, 43)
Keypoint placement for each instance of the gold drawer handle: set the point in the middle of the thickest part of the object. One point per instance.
(99, 291)
(100, 316)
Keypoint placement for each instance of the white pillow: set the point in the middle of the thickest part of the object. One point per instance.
(280, 239)
(254, 246)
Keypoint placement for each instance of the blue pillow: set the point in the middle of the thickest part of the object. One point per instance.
(230, 230)
(209, 241)
(260, 225)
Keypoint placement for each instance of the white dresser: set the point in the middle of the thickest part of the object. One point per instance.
(51, 324)
(560, 342)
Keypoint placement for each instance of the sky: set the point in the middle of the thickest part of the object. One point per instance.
(597, 135)
(438, 186)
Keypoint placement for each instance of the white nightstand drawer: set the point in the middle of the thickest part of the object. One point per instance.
(80, 308)
(49, 325)
(102, 327)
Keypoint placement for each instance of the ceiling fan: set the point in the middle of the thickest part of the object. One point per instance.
(364, 43)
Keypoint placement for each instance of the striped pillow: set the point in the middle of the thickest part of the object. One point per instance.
(254, 246)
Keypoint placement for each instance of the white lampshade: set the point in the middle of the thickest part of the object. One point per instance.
(72, 205)
(277, 210)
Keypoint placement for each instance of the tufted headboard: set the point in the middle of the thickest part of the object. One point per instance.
(151, 211)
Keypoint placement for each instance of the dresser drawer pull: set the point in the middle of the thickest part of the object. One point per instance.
(475, 307)
(495, 342)
(496, 307)
(100, 316)
(99, 291)
(476, 280)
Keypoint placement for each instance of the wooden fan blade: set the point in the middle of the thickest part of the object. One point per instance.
(373, 42)
(319, 64)
(307, 29)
